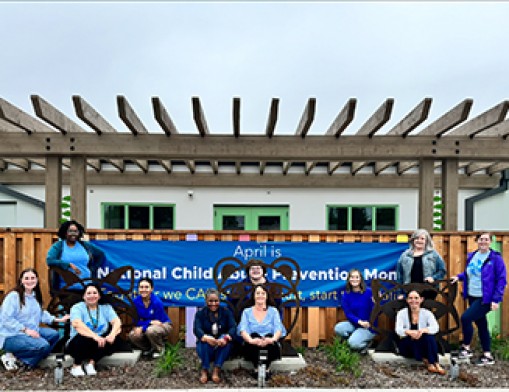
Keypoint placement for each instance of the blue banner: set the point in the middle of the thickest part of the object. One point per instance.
(183, 270)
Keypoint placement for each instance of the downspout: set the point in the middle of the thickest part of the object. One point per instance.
(469, 203)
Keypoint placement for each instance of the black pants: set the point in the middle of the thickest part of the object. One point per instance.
(82, 349)
(252, 352)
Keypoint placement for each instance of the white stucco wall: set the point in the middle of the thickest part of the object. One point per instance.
(307, 206)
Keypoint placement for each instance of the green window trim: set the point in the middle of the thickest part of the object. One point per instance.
(350, 218)
(152, 208)
(250, 216)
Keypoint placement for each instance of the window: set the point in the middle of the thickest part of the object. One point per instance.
(362, 217)
(250, 217)
(138, 216)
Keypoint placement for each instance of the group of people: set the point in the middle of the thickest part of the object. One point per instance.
(95, 327)
(484, 281)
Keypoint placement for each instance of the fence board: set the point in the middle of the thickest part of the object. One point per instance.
(22, 248)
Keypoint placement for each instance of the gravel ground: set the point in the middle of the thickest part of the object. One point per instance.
(319, 373)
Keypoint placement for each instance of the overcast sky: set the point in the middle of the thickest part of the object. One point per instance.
(257, 51)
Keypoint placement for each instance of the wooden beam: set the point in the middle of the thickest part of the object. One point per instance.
(380, 166)
(236, 117)
(53, 116)
(485, 120)
(333, 166)
(253, 148)
(343, 119)
(272, 120)
(309, 166)
(91, 117)
(413, 119)
(377, 120)
(20, 162)
(500, 129)
(449, 120)
(286, 167)
(475, 167)
(129, 116)
(199, 117)
(426, 191)
(97, 122)
(307, 118)
(404, 166)
(53, 192)
(20, 119)
(6, 126)
(450, 187)
(78, 184)
(166, 164)
(291, 180)
(238, 167)
(497, 168)
(163, 118)
(357, 166)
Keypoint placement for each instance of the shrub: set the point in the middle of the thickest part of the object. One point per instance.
(500, 345)
(169, 361)
(342, 355)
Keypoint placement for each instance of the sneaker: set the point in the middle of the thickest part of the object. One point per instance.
(9, 361)
(465, 353)
(77, 371)
(90, 369)
(485, 360)
(157, 354)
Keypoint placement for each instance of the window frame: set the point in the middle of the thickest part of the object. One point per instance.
(126, 206)
(374, 207)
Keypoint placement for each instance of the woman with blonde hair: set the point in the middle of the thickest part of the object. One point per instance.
(421, 263)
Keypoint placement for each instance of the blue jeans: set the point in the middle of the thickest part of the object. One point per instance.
(476, 312)
(31, 350)
(358, 337)
(208, 354)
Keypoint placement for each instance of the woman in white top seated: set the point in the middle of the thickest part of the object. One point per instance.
(417, 327)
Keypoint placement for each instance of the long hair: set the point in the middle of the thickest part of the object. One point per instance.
(20, 289)
(429, 242)
(270, 301)
(362, 284)
(62, 231)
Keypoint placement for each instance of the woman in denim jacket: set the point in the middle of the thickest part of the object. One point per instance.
(421, 263)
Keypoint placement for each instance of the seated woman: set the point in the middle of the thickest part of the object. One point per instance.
(214, 327)
(261, 328)
(94, 332)
(357, 304)
(154, 325)
(72, 253)
(20, 315)
(417, 327)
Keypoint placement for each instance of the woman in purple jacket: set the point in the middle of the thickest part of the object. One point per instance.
(484, 281)
(154, 325)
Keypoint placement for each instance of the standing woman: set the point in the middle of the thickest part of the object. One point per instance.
(94, 332)
(484, 281)
(20, 316)
(421, 263)
(154, 325)
(214, 328)
(72, 253)
(261, 328)
(417, 326)
(357, 304)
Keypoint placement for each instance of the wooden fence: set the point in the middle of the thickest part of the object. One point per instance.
(24, 248)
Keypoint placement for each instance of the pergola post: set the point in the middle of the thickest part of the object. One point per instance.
(78, 182)
(53, 190)
(450, 186)
(426, 190)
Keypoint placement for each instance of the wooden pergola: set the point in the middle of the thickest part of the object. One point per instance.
(450, 153)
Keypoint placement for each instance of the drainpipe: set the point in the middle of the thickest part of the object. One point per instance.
(469, 203)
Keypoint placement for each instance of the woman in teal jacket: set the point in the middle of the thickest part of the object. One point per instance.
(71, 253)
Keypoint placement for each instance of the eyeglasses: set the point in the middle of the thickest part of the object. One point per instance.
(73, 232)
